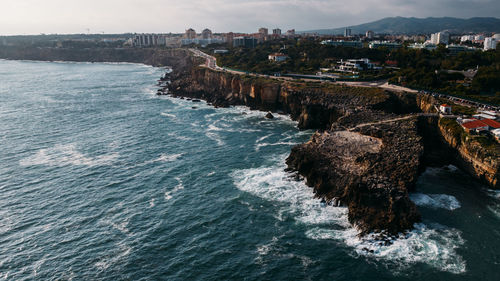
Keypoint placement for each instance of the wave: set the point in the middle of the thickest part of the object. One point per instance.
(63, 155)
(435, 201)
(435, 245)
(179, 186)
(168, 115)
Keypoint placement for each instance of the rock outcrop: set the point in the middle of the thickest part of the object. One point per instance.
(363, 157)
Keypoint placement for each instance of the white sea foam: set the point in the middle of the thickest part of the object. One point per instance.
(435, 201)
(432, 244)
(179, 186)
(170, 115)
(217, 138)
(106, 262)
(62, 155)
(259, 145)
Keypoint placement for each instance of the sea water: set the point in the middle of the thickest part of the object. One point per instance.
(101, 179)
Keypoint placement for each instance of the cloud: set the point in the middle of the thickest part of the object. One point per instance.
(118, 16)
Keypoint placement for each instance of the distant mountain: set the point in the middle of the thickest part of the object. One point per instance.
(401, 25)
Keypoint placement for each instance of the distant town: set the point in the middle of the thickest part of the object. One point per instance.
(453, 42)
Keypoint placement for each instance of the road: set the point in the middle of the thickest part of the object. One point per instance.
(211, 62)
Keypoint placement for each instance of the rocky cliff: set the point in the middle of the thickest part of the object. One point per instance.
(150, 56)
(447, 143)
(366, 155)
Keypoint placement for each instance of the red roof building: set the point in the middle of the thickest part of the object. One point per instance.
(492, 124)
(475, 125)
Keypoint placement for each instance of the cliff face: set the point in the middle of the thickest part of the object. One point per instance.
(367, 167)
(370, 149)
(155, 57)
(312, 106)
(446, 143)
(473, 157)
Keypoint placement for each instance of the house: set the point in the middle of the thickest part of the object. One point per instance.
(474, 126)
(477, 126)
(445, 109)
(278, 57)
(492, 124)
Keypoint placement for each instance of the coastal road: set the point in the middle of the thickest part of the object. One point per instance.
(211, 62)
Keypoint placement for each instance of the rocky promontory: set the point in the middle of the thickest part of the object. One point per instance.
(370, 147)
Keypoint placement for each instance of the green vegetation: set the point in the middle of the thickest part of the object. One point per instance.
(490, 146)
(305, 56)
(422, 69)
(453, 127)
(438, 71)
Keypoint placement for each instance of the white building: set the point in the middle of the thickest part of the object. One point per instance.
(490, 43)
(442, 37)
(369, 34)
(277, 57)
(479, 37)
(467, 38)
(445, 109)
(354, 65)
(347, 32)
(496, 36)
(427, 45)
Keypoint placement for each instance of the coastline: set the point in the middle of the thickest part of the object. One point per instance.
(377, 196)
(343, 111)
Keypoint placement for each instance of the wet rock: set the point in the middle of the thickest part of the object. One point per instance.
(269, 115)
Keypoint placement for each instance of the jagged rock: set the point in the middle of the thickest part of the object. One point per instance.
(269, 115)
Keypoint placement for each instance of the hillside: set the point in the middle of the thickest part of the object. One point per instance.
(401, 25)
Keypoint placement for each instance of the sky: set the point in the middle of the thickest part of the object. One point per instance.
(163, 16)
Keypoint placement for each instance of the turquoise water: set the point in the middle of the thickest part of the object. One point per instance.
(101, 179)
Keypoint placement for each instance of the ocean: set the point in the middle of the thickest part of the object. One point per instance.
(100, 179)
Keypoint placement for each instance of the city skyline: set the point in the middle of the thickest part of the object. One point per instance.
(113, 16)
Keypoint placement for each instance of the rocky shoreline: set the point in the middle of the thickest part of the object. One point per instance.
(370, 147)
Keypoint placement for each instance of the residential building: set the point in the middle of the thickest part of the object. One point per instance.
(263, 31)
(385, 44)
(146, 40)
(277, 57)
(202, 42)
(369, 34)
(477, 126)
(455, 49)
(290, 33)
(467, 38)
(442, 37)
(190, 34)
(244, 41)
(228, 38)
(221, 51)
(354, 65)
(354, 44)
(206, 34)
(277, 32)
(482, 116)
(347, 32)
(490, 43)
(445, 109)
(427, 45)
(496, 36)
(479, 37)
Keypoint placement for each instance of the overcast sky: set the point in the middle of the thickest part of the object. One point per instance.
(163, 16)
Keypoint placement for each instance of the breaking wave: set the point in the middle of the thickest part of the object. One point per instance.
(435, 201)
(432, 244)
